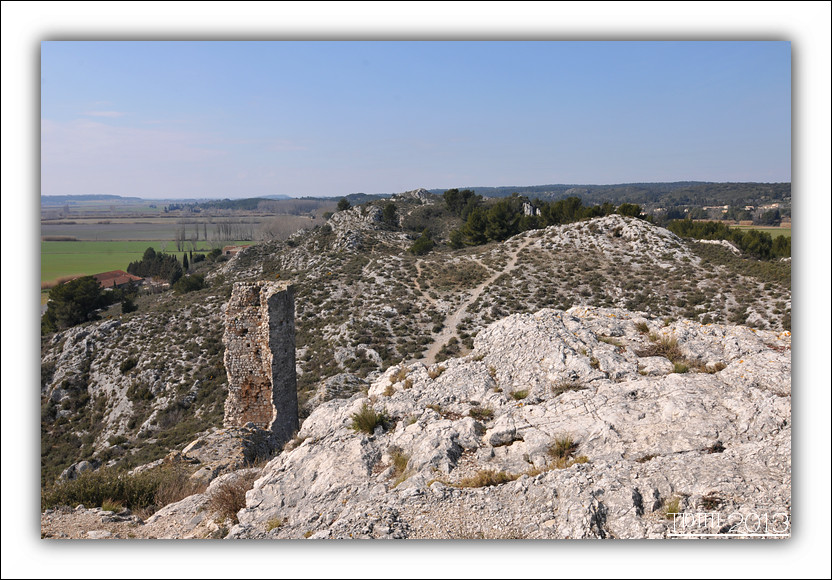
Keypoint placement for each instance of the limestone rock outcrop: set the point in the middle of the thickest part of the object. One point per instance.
(469, 448)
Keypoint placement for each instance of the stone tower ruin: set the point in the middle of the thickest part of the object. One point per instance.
(259, 358)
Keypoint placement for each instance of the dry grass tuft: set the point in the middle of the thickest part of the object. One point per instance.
(487, 477)
(564, 386)
(230, 496)
(367, 419)
(177, 487)
(671, 507)
(110, 505)
(480, 413)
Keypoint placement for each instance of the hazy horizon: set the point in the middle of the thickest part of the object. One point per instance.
(227, 119)
(300, 196)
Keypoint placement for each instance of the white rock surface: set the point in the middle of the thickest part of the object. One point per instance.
(648, 438)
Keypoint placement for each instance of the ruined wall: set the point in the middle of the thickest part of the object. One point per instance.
(260, 358)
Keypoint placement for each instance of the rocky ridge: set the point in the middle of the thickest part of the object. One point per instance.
(131, 389)
(714, 439)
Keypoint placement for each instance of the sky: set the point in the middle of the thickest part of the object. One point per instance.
(193, 119)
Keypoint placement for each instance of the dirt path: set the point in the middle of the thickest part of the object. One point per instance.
(453, 319)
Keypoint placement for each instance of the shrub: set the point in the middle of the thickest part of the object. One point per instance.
(520, 395)
(108, 484)
(128, 306)
(189, 283)
(680, 367)
(273, 523)
(177, 486)
(367, 419)
(72, 303)
(127, 364)
(435, 372)
(422, 245)
(230, 496)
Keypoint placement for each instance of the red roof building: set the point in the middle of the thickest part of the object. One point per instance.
(116, 279)
(232, 250)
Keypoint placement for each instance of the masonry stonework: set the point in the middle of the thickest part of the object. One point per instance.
(259, 358)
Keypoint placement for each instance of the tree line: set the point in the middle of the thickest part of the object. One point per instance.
(753, 242)
(157, 265)
(510, 216)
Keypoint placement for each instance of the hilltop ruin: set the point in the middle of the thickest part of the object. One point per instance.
(259, 358)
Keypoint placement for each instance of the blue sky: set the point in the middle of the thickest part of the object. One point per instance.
(234, 119)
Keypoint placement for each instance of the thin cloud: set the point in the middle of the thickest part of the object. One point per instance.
(84, 156)
(285, 145)
(111, 114)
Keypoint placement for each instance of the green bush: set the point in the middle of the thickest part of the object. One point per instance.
(422, 245)
(128, 364)
(72, 303)
(189, 283)
(367, 419)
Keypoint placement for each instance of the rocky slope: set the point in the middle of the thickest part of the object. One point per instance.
(646, 440)
(130, 388)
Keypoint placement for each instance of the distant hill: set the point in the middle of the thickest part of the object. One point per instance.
(677, 193)
(664, 194)
(71, 199)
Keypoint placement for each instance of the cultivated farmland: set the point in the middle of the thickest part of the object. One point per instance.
(61, 259)
(89, 240)
(773, 232)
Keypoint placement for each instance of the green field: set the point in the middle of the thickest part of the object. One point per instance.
(773, 232)
(59, 259)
